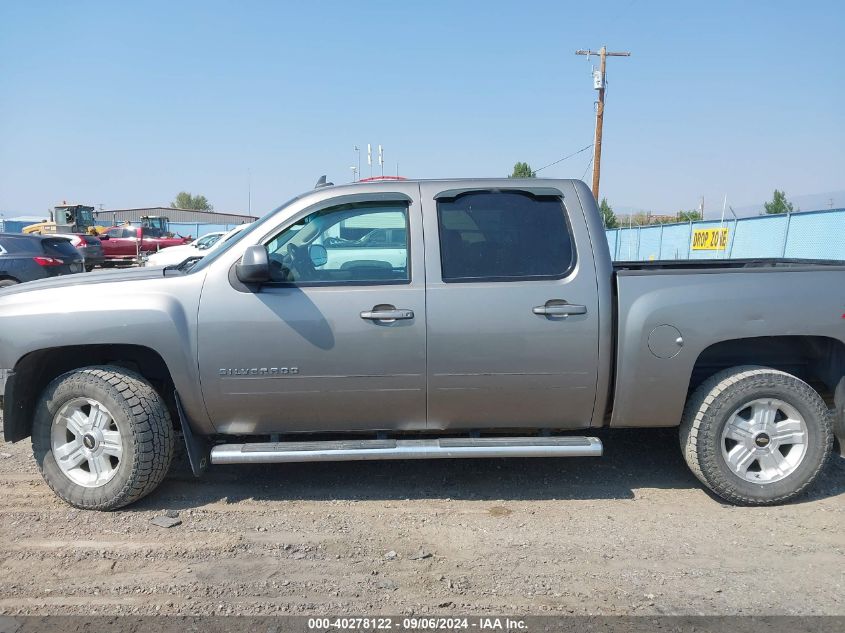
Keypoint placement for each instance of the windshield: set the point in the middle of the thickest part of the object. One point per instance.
(207, 240)
(86, 216)
(221, 248)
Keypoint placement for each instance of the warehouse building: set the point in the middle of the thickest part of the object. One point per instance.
(110, 217)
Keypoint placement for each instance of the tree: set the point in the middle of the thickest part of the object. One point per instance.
(523, 170)
(184, 200)
(689, 216)
(607, 215)
(779, 204)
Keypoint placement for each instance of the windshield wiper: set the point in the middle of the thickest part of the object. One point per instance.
(183, 266)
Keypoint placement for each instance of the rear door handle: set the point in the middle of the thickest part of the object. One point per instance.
(395, 314)
(559, 309)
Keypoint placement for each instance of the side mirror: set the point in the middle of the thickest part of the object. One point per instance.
(318, 254)
(104, 236)
(254, 267)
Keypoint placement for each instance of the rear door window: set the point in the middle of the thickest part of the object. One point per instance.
(503, 236)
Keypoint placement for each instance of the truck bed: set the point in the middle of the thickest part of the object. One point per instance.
(669, 313)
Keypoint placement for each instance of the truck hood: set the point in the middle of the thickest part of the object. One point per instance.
(84, 279)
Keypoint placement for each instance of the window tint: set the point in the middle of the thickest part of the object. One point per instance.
(503, 236)
(14, 244)
(59, 248)
(117, 232)
(353, 244)
(151, 231)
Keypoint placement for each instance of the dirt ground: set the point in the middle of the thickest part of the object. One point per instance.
(629, 533)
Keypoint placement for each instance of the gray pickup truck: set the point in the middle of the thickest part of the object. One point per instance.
(425, 319)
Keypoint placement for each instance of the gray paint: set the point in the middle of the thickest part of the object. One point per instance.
(475, 355)
(708, 308)
(345, 363)
(492, 362)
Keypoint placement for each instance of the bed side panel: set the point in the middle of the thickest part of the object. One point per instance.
(707, 308)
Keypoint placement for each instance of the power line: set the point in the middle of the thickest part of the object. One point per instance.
(584, 175)
(583, 149)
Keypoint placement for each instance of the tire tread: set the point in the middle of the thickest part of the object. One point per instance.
(700, 455)
(150, 424)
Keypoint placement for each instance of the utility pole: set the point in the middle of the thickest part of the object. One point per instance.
(599, 83)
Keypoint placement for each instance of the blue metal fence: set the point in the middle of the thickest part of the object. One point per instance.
(13, 226)
(194, 229)
(198, 229)
(810, 234)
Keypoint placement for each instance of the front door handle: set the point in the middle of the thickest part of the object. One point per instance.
(559, 309)
(387, 314)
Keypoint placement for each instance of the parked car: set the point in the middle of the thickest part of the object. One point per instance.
(31, 257)
(198, 249)
(126, 243)
(504, 330)
(89, 246)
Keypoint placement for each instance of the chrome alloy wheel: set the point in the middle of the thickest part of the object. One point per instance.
(86, 442)
(764, 440)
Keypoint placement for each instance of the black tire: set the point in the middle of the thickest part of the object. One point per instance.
(713, 403)
(8, 282)
(138, 413)
(89, 268)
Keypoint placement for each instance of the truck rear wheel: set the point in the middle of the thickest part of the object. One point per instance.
(755, 435)
(102, 437)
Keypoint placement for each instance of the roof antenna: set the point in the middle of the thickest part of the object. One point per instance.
(321, 182)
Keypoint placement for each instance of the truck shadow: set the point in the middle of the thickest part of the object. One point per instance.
(633, 459)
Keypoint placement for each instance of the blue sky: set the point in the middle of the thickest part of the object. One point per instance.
(125, 104)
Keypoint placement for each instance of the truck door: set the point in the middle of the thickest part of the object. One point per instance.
(512, 309)
(336, 341)
(121, 242)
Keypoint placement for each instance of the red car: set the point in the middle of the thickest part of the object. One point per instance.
(126, 243)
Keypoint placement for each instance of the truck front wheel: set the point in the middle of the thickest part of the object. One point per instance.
(755, 435)
(102, 437)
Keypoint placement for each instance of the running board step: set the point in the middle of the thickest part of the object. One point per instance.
(355, 450)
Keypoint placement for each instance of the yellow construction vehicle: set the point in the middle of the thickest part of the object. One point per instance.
(66, 218)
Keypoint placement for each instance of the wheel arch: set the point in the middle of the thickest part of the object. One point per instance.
(34, 371)
(817, 360)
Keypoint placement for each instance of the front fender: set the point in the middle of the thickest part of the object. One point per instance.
(155, 313)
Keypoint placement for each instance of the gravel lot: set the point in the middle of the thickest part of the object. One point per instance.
(629, 533)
